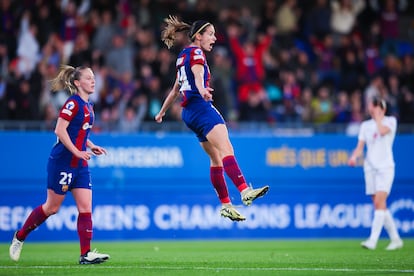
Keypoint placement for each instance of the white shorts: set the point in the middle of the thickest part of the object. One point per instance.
(379, 180)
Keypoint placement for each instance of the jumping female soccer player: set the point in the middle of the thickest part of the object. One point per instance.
(199, 114)
(67, 168)
(378, 134)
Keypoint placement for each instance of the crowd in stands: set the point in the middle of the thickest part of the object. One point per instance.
(309, 61)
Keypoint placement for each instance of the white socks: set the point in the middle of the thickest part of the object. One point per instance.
(377, 224)
(390, 227)
(383, 218)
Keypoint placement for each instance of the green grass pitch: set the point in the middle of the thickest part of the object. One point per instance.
(214, 257)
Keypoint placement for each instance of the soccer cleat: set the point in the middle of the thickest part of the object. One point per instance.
(397, 244)
(368, 244)
(250, 194)
(93, 257)
(228, 211)
(15, 248)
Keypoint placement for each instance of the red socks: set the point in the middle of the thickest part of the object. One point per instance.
(217, 178)
(36, 218)
(233, 171)
(85, 231)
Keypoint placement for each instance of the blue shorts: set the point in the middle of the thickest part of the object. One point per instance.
(201, 118)
(62, 179)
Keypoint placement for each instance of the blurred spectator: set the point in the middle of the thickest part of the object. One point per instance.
(342, 108)
(373, 61)
(392, 66)
(106, 29)
(305, 105)
(291, 89)
(305, 71)
(352, 46)
(357, 112)
(393, 92)
(372, 90)
(249, 63)
(352, 71)
(222, 72)
(322, 106)
(144, 12)
(319, 20)
(23, 104)
(327, 61)
(407, 107)
(4, 61)
(389, 13)
(8, 31)
(255, 109)
(110, 109)
(291, 93)
(286, 22)
(344, 15)
(101, 73)
(69, 28)
(166, 67)
(266, 14)
(82, 53)
(52, 51)
(27, 48)
(407, 72)
(154, 97)
(119, 59)
(44, 20)
(132, 112)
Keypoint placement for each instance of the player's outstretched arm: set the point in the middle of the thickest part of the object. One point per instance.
(169, 100)
(356, 153)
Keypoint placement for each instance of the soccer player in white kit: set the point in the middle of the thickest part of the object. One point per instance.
(378, 134)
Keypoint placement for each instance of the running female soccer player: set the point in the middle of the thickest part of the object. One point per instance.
(67, 168)
(378, 134)
(199, 114)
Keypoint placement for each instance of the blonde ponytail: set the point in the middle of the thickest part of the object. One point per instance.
(173, 26)
(65, 80)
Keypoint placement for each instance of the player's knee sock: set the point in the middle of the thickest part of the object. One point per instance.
(377, 224)
(233, 171)
(219, 184)
(36, 218)
(85, 232)
(390, 227)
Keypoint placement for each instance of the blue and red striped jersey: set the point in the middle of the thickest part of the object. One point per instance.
(188, 57)
(81, 117)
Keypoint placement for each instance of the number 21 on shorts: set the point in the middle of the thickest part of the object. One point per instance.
(65, 180)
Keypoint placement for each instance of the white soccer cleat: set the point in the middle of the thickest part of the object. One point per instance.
(250, 194)
(15, 248)
(368, 244)
(93, 257)
(228, 211)
(397, 244)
